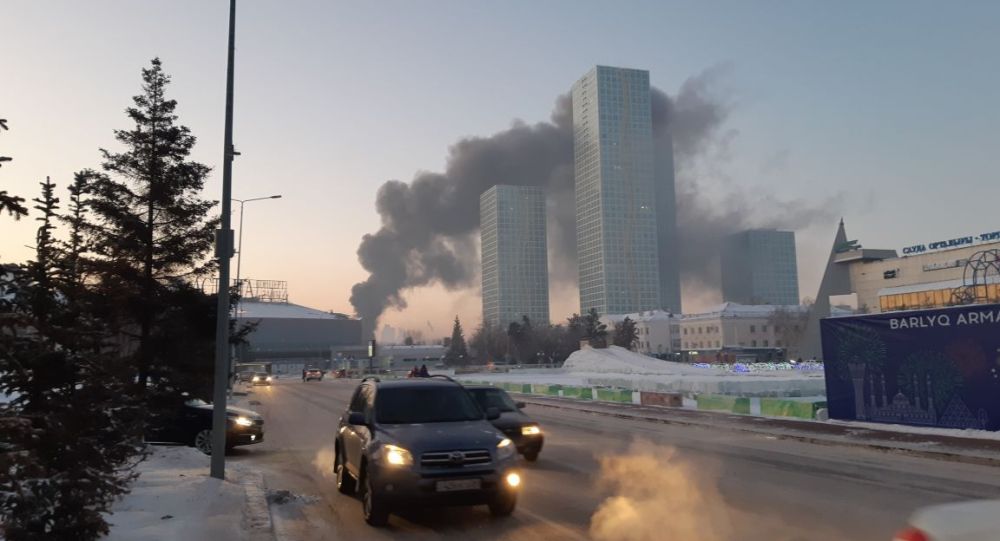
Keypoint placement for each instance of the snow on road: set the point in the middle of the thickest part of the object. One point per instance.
(174, 499)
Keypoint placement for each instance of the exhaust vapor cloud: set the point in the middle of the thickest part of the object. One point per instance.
(657, 495)
(430, 225)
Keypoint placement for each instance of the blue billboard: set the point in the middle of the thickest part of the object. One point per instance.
(938, 367)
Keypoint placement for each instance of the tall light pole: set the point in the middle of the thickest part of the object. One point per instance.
(239, 246)
(224, 251)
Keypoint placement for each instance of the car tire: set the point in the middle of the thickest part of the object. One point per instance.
(345, 483)
(203, 441)
(531, 456)
(372, 505)
(503, 504)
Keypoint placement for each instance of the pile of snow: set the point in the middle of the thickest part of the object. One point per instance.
(618, 360)
(175, 499)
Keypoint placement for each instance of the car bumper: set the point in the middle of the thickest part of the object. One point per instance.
(413, 488)
(248, 436)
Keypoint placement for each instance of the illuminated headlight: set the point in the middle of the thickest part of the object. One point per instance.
(244, 421)
(530, 430)
(268, 378)
(255, 378)
(513, 480)
(505, 449)
(396, 456)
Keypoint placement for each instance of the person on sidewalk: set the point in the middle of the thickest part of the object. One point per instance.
(423, 371)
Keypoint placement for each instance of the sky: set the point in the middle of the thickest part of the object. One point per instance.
(886, 110)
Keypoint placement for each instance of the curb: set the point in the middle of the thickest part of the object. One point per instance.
(256, 512)
(883, 447)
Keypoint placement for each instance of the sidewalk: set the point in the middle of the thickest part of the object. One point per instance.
(919, 442)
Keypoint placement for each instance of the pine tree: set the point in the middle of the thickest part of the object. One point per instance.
(71, 433)
(457, 353)
(626, 334)
(595, 331)
(11, 204)
(151, 236)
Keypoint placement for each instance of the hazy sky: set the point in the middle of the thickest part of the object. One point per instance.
(888, 107)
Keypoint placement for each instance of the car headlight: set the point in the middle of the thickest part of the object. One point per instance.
(393, 455)
(268, 378)
(505, 449)
(530, 430)
(255, 378)
(244, 421)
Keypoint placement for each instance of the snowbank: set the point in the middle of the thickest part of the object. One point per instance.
(619, 367)
(174, 499)
(617, 360)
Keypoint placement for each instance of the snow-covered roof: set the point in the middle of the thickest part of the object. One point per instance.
(649, 315)
(732, 309)
(283, 310)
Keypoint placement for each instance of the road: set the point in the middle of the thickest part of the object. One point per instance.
(612, 479)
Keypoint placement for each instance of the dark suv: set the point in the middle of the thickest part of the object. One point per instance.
(420, 442)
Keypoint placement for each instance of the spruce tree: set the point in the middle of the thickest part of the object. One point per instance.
(11, 204)
(151, 236)
(70, 433)
(626, 334)
(457, 352)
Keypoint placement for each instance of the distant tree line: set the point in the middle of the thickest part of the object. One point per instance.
(527, 342)
(103, 331)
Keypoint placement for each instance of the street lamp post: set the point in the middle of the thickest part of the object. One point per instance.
(239, 246)
(224, 252)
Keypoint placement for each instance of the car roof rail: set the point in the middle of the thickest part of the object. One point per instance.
(449, 378)
(370, 378)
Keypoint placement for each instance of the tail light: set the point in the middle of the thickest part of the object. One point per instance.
(911, 534)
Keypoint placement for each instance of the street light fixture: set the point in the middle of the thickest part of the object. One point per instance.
(239, 248)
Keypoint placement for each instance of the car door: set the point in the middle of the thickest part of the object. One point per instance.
(351, 437)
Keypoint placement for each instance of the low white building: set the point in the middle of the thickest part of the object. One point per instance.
(731, 331)
(659, 331)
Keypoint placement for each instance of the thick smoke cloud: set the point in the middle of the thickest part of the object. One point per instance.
(430, 225)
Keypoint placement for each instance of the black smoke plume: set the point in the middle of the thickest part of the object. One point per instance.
(429, 225)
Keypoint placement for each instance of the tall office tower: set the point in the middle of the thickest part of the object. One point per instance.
(759, 267)
(616, 195)
(514, 252)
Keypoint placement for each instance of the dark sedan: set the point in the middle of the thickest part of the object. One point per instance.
(192, 425)
(521, 429)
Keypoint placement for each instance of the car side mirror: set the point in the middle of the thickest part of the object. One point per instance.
(356, 418)
(492, 413)
(520, 405)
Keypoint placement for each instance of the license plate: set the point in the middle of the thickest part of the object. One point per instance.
(459, 484)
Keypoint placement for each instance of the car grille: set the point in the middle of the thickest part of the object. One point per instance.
(476, 457)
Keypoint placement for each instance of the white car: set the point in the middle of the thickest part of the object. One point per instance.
(977, 520)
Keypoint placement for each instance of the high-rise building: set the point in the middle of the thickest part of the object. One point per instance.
(515, 264)
(759, 267)
(616, 193)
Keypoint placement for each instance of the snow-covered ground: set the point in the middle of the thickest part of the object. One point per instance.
(174, 499)
(619, 367)
(928, 430)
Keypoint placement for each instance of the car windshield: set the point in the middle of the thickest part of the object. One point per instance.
(403, 405)
(493, 398)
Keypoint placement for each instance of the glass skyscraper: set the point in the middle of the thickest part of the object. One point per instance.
(514, 252)
(616, 195)
(759, 267)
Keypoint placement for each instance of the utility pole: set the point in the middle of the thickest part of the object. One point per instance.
(224, 251)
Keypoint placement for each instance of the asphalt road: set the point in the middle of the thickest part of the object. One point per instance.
(611, 479)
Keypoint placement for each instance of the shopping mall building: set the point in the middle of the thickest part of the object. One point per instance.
(948, 272)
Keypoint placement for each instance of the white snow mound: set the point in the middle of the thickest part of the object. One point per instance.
(618, 360)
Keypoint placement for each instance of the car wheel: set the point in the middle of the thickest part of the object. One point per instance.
(531, 456)
(345, 483)
(503, 504)
(203, 441)
(375, 509)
